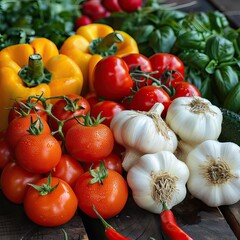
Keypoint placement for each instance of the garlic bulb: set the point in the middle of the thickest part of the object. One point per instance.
(142, 132)
(194, 119)
(215, 173)
(157, 178)
(183, 149)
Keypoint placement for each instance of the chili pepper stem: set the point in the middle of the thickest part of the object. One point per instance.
(105, 223)
(110, 232)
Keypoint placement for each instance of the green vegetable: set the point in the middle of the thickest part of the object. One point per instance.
(220, 49)
(225, 80)
(230, 127)
(21, 21)
(232, 101)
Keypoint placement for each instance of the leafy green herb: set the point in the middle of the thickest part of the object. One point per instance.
(21, 21)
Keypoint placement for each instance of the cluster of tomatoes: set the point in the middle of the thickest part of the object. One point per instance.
(137, 82)
(46, 154)
(64, 146)
(92, 10)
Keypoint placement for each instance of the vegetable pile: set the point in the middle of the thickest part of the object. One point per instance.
(96, 116)
(205, 42)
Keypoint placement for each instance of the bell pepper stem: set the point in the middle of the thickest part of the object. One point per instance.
(106, 46)
(34, 73)
(109, 41)
(35, 66)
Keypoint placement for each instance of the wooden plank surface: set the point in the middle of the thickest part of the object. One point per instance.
(232, 216)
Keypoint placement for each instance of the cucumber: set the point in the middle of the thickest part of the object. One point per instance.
(230, 127)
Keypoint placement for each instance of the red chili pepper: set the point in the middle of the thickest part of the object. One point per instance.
(170, 226)
(110, 232)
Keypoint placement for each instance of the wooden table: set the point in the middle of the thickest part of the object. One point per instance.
(200, 221)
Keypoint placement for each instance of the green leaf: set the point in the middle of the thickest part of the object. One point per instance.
(219, 49)
(225, 79)
(210, 68)
(195, 58)
(162, 39)
(51, 19)
(194, 76)
(207, 91)
(218, 21)
(191, 39)
(141, 34)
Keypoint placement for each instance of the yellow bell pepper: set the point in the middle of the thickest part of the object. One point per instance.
(91, 43)
(34, 69)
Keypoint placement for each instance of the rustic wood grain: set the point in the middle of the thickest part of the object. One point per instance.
(232, 216)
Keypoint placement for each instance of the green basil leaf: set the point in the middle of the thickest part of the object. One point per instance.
(162, 40)
(141, 34)
(218, 21)
(219, 49)
(173, 15)
(193, 76)
(207, 91)
(210, 68)
(191, 39)
(226, 79)
(195, 59)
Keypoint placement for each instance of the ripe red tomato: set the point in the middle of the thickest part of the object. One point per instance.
(112, 161)
(5, 154)
(63, 110)
(82, 21)
(147, 96)
(26, 107)
(108, 110)
(108, 197)
(54, 208)
(89, 143)
(68, 169)
(130, 5)
(140, 62)
(185, 89)
(170, 68)
(38, 153)
(14, 182)
(18, 127)
(92, 98)
(111, 78)
(111, 5)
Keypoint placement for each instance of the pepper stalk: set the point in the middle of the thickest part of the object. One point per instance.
(106, 46)
(34, 73)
